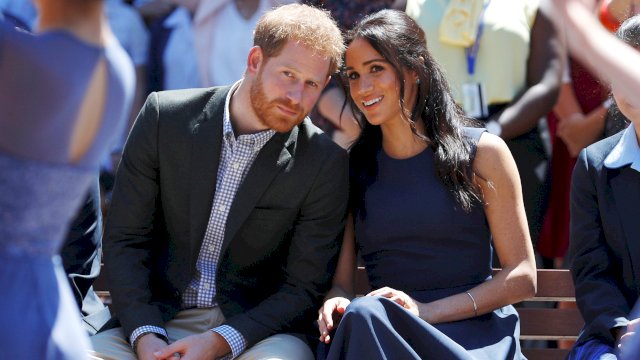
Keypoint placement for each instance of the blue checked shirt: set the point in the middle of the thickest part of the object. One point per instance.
(236, 158)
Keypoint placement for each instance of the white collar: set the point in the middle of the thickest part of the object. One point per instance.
(226, 119)
(626, 152)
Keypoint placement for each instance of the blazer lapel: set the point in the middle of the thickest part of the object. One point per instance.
(205, 158)
(273, 157)
(626, 190)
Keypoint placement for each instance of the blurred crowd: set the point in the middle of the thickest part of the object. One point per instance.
(505, 62)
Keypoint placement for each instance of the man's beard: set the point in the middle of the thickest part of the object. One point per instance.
(267, 112)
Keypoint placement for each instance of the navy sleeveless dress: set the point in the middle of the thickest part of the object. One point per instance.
(414, 238)
(43, 80)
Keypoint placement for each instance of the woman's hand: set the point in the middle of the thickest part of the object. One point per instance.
(398, 297)
(335, 305)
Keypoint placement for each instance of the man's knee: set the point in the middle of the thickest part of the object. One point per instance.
(279, 346)
(111, 345)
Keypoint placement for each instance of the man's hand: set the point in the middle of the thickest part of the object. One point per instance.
(147, 345)
(207, 345)
(625, 338)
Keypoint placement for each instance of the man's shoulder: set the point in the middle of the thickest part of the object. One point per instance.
(318, 146)
(597, 152)
(317, 138)
(189, 98)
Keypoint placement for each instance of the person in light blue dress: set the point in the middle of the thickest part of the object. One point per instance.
(64, 93)
(429, 196)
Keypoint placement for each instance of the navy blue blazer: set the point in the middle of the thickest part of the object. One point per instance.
(604, 240)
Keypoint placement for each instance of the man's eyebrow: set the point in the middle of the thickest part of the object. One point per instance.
(293, 68)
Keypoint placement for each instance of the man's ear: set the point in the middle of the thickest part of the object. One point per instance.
(255, 60)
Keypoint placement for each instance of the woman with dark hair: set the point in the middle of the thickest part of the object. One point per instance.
(428, 195)
(504, 66)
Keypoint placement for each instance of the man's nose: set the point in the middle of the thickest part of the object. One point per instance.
(294, 94)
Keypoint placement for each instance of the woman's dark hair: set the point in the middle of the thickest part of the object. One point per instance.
(402, 43)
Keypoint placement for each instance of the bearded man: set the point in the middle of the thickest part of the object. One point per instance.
(221, 237)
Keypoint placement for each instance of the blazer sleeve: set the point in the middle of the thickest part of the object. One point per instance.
(596, 277)
(128, 239)
(311, 258)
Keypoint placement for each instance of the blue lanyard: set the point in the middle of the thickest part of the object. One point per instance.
(472, 51)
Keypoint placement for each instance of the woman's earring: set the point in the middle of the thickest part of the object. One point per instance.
(417, 81)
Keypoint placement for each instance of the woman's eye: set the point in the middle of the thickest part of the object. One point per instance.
(352, 76)
(376, 68)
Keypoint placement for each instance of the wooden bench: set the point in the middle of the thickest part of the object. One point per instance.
(101, 288)
(535, 323)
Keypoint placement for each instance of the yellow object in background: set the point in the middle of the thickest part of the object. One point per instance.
(459, 25)
(504, 47)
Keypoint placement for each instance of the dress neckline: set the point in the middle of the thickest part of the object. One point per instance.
(388, 158)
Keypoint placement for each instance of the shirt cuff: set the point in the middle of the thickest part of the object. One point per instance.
(236, 341)
(146, 329)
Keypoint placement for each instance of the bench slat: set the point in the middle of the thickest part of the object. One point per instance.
(545, 354)
(549, 324)
(555, 285)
